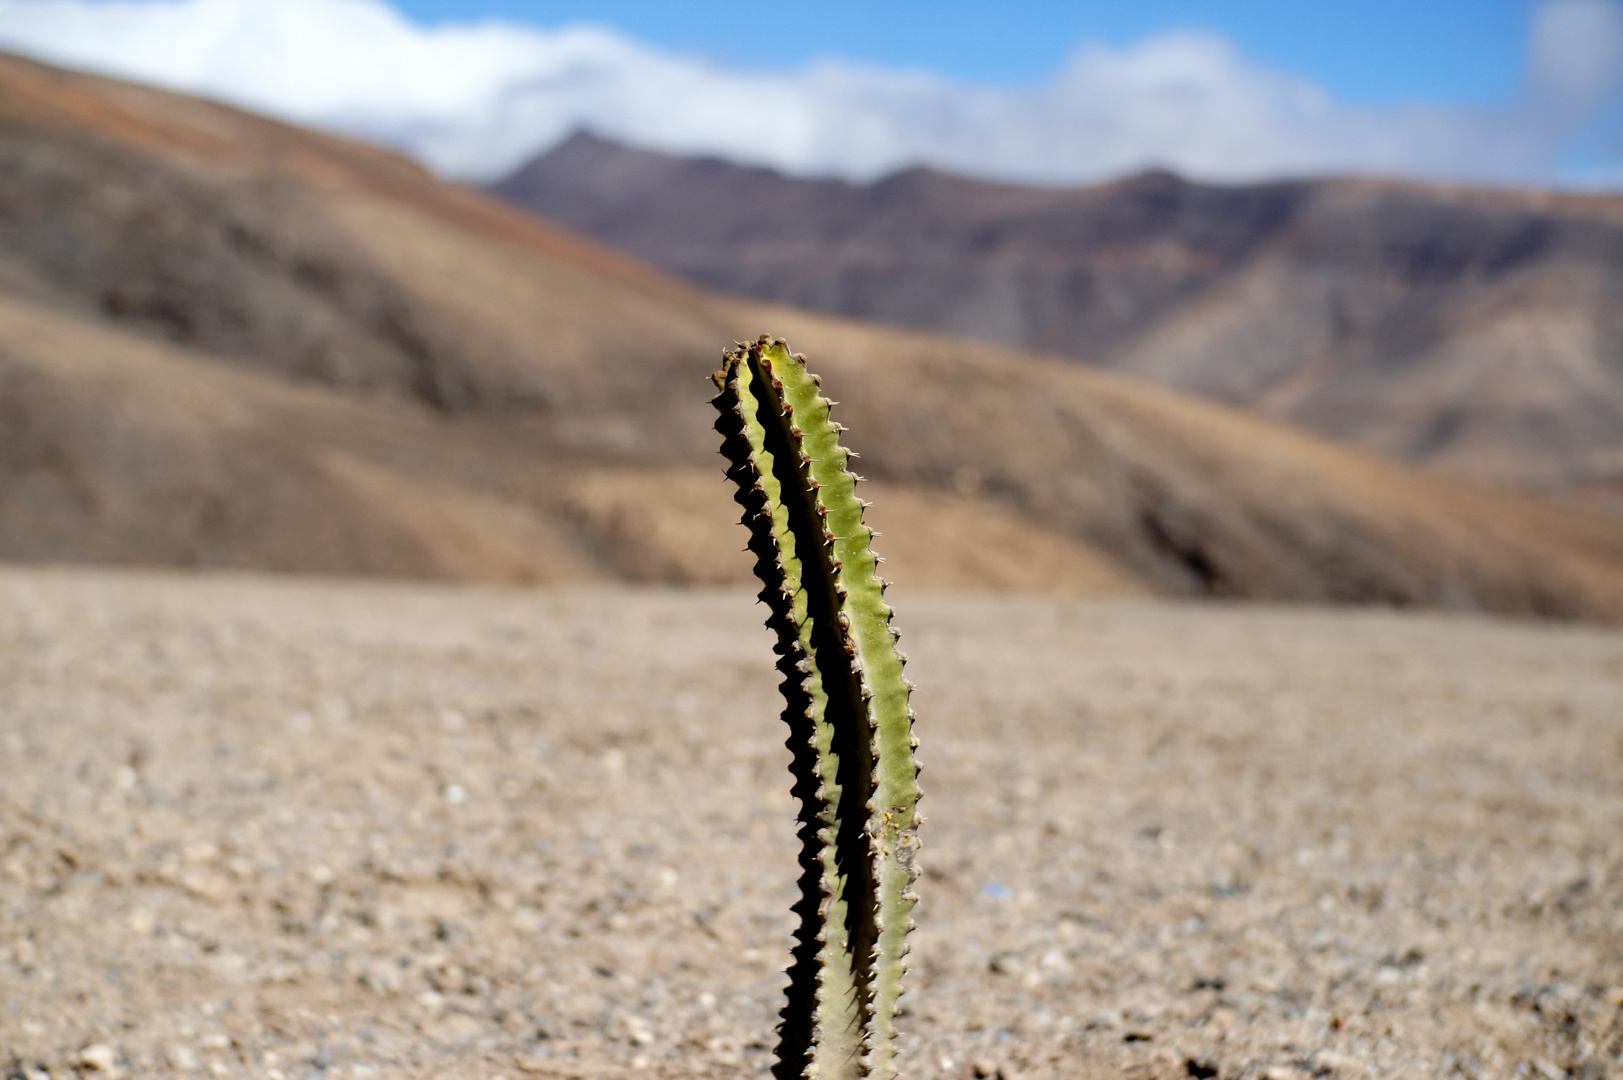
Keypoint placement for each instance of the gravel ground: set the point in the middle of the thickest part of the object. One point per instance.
(290, 829)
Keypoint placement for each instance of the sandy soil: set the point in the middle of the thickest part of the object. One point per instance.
(291, 829)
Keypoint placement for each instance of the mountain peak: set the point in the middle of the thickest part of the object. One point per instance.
(313, 360)
(1395, 314)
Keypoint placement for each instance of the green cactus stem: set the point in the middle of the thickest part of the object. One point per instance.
(850, 726)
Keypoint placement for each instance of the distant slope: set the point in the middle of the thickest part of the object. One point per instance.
(1480, 331)
(228, 342)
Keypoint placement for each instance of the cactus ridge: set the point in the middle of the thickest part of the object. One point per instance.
(846, 707)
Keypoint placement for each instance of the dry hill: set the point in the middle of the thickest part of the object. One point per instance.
(1481, 331)
(229, 342)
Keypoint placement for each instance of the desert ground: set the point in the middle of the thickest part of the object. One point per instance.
(290, 828)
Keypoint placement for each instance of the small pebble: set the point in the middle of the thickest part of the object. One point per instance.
(1341, 1064)
(100, 1057)
(1105, 1018)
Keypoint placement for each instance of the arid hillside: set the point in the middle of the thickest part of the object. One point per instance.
(229, 342)
(1476, 330)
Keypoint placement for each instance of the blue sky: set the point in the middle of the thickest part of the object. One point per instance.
(1495, 91)
(1374, 52)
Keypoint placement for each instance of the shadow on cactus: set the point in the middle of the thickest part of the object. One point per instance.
(846, 705)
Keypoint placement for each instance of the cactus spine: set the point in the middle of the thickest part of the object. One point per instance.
(850, 726)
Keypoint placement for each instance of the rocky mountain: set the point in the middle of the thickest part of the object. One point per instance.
(228, 342)
(1476, 330)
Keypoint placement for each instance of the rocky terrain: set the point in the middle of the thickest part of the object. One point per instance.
(226, 342)
(283, 828)
(1475, 330)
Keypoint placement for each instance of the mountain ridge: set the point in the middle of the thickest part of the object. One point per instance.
(1474, 329)
(307, 355)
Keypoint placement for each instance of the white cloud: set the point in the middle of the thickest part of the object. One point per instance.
(1576, 52)
(476, 100)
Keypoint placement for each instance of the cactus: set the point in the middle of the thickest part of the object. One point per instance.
(846, 706)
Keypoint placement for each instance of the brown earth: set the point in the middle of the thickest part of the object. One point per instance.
(1476, 330)
(227, 342)
(283, 828)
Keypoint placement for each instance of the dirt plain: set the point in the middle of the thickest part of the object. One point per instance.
(292, 828)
